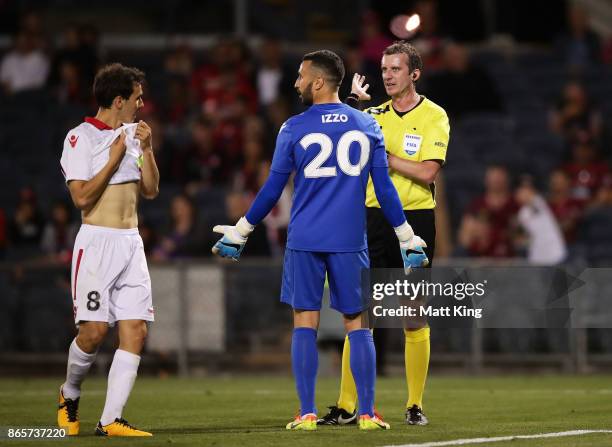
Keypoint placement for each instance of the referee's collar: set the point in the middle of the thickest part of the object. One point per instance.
(401, 114)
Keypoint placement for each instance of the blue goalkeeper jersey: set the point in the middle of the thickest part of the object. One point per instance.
(331, 148)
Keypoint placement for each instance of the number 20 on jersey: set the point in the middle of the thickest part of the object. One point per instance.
(314, 169)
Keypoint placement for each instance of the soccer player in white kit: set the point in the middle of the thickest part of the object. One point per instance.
(108, 163)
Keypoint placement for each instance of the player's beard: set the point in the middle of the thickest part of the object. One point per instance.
(306, 95)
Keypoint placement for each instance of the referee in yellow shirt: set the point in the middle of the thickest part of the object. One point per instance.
(416, 133)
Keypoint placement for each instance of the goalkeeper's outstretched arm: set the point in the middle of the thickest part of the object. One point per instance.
(235, 236)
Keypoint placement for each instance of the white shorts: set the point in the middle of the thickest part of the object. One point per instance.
(110, 278)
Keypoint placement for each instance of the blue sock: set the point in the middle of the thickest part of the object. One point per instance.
(305, 362)
(363, 367)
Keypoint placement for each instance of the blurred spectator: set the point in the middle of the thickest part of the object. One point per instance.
(567, 209)
(70, 87)
(246, 178)
(229, 124)
(428, 40)
(461, 87)
(585, 170)
(205, 81)
(59, 233)
(603, 197)
(185, 237)
(179, 61)
(253, 128)
(177, 101)
(575, 117)
(226, 95)
(278, 113)
(237, 204)
(89, 54)
(225, 79)
(488, 224)
(26, 66)
(595, 235)
(373, 40)
(545, 244)
(178, 68)
(74, 65)
(354, 62)
(206, 163)
(31, 22)
(580, 46)
(26, 227)
(148, 235)
(239, 54)
(274, 78)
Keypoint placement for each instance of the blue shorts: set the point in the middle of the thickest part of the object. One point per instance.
(304, 279)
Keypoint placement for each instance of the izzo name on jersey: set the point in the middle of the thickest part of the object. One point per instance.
(334, 118)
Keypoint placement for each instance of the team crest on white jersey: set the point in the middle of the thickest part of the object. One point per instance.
(412, 143)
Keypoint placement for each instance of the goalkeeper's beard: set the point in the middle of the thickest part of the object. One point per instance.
(306, 95)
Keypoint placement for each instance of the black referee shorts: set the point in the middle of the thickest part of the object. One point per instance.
(383, 244)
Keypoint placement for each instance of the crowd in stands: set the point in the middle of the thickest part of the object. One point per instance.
(215, 115)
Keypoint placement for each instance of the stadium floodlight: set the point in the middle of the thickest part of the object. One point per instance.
(404, 26)
(413, 23)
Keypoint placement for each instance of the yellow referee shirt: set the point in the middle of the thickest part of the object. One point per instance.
(420, 134)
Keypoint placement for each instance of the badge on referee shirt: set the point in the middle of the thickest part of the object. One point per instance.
(412, 143)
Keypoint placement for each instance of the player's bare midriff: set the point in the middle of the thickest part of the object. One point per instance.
(116, 207)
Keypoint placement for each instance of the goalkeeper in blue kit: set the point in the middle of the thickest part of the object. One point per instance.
(333, 150)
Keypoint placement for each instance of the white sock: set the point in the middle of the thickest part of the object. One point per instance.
(121, 379)
(79, 363)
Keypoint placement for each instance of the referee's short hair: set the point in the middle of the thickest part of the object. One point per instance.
(330, 63)
(115, 80)
(402, 47)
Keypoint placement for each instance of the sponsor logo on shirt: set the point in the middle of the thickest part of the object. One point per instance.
(73, 140)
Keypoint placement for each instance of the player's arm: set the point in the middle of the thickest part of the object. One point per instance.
(418, 171)
(86, 193)
(433, 153)
(235, 237)
(149, 184)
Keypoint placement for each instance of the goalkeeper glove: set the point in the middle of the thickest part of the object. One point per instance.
(234, 239)
(411, 247)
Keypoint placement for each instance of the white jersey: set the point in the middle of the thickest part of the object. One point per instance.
(87, 149)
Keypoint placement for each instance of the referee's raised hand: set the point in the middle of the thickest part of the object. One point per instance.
(358, 89)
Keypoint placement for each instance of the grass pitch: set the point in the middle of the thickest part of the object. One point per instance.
(252, 411)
